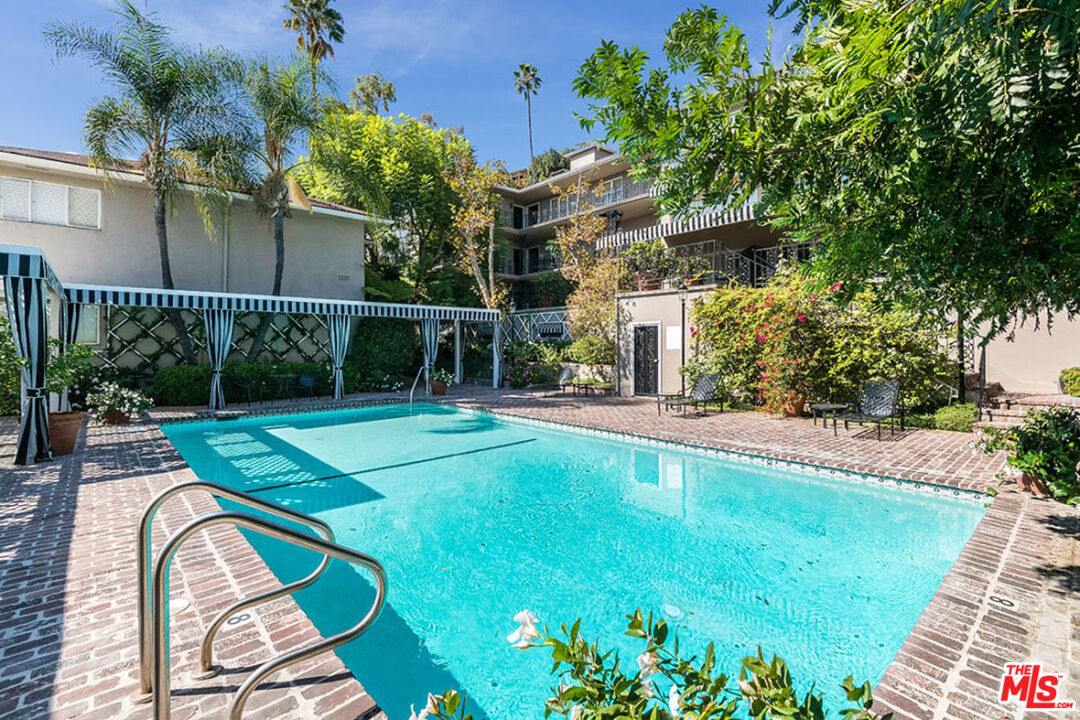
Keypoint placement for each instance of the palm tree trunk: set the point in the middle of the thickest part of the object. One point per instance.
(532, 156)
(187, 350)
(279, 270)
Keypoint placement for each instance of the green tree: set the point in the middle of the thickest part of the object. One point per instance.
(476, 214)
(393, 168)
(317, 27)
(527, 83)
(259, 156)
(933, 147)
(550, 162)
(170, 102)
(371, 92)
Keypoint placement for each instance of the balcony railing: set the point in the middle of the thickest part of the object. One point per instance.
(561, 207)
(709, 262)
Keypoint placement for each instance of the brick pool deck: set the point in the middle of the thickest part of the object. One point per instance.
(67, 575)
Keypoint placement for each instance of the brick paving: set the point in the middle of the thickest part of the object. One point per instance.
(67, 578)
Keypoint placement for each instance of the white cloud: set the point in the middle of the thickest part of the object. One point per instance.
(241, 25)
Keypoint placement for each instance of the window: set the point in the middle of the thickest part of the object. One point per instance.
(534, 259)
(519, 217)
(14, 199)
(49, 203)
(89, 330)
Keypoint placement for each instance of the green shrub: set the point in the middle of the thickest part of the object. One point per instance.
(958, 418)
(1046, 446)
(593, 351)
(10, 366)
(385, 346)
(546, 351)
(1070, 381)
(789, 337)
(181, 385)
(190, 384)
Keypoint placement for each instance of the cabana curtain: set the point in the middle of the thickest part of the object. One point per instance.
(68, 333)
(429, 333)
(25, 298)
(338, 327)
(219, 332)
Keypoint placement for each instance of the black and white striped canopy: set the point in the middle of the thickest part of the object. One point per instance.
(195, 300)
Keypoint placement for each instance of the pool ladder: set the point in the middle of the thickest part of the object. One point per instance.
(413, 389)
(154, 592)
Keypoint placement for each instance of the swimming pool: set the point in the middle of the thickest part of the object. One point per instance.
(477, 517)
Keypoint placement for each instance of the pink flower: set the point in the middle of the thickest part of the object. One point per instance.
(802, 317)
(835, 286)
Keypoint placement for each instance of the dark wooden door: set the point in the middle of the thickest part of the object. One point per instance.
(646, 347)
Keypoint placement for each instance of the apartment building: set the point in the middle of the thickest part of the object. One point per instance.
(727, 242)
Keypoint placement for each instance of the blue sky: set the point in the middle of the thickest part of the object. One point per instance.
(452, 58)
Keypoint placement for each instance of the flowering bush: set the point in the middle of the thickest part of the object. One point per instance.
(112, 397)
(1070, 381)
(444, 376)
(789, 339)
(592, 684)
(520, 373)
(1046, 446)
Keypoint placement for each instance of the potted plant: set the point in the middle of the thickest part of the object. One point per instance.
(440, 380)
(649, 262)
(692, 268)
(1043, 452)
(114, 405)
(66, 366)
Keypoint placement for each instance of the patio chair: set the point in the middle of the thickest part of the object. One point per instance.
(879, 402)
(307, 382)
(566, 379)
(701, 394)
(236, 386)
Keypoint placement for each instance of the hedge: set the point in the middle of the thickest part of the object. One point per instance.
(958, 418)
(190, 384)
(1070, 381)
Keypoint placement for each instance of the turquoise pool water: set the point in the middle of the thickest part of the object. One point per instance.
(477, 518)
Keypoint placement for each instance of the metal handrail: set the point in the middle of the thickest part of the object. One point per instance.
(206, 664)
(413, 389)
(160, 594)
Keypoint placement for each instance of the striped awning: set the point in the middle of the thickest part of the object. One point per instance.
(195, 300)
(27, 262)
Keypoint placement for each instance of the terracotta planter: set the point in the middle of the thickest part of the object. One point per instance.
(693, 281)
(794, 408)
(648, 280)
(64, 430)
(438, 388)
(1033, 485)
(115, 417)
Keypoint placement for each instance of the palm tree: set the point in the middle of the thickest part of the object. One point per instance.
(316, 25)
(170, 100)
(259, 156)
(527, 83)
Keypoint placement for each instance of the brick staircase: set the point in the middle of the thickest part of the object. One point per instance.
(1006, 409)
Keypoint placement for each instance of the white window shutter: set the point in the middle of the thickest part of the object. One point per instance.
(49, 203)
(14, 199)
(82, 209)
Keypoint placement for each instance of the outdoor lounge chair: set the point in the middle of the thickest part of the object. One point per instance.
(701, 394)
(566, 379)
(879, 402)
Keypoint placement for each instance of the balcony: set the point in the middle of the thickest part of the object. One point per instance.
(709, 262)
(558, 208)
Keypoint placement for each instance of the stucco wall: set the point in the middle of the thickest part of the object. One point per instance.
(1033, 361)
(661, 307)
(323, 253)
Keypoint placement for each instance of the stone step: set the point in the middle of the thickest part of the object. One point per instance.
(999, 424)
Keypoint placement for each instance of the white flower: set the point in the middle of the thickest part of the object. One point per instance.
(673, 701)
(575, 712)
(647, 662)
(527, 633)
(431, 706)
(647, 688)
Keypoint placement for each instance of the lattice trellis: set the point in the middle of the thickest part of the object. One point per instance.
(535, 325)
(143, 339)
